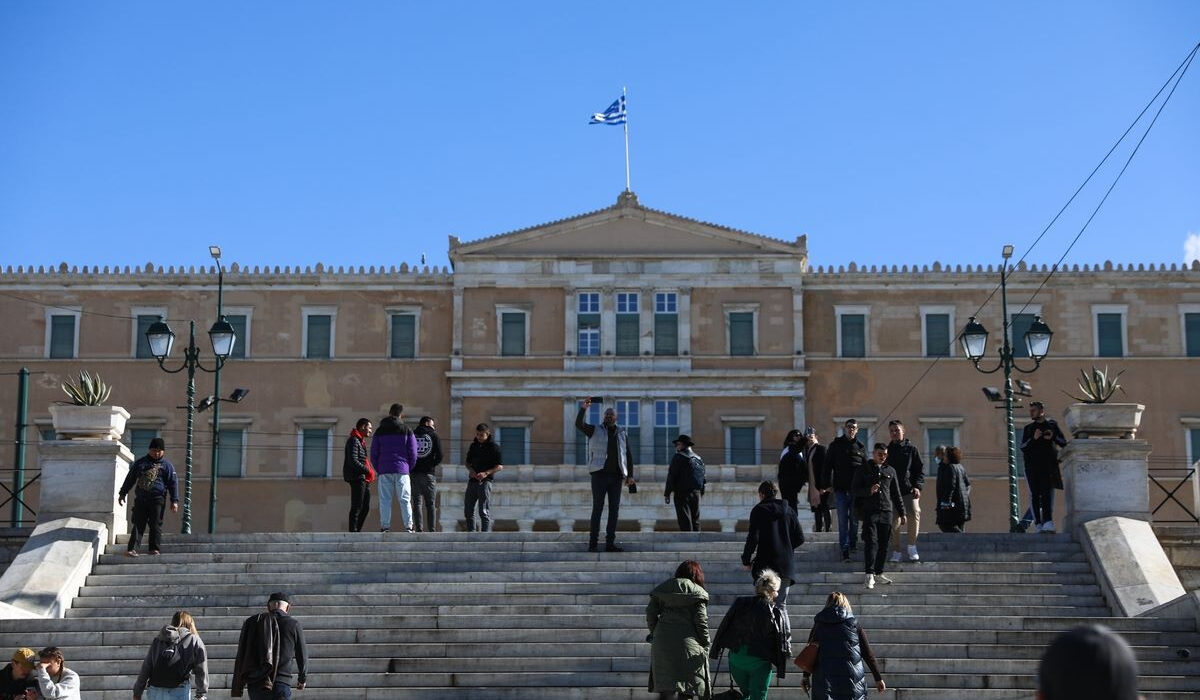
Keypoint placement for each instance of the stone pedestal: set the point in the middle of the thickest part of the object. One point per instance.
(1105, 477)
(81, 479)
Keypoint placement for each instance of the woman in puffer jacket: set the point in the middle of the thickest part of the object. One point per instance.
(677, 617)
(842, 649)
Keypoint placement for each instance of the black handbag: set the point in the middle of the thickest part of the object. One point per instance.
(732, 693)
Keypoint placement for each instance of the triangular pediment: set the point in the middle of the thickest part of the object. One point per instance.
(626, 229)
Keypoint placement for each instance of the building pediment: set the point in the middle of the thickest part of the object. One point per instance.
(626, 229)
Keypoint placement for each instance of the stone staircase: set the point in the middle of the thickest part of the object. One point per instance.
(533, 615)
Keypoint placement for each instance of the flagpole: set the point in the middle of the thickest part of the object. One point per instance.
(625, 100)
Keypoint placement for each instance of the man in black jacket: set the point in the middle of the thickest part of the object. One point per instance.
(357, 472)
(905, 458)
(877, 489)
(844, 458)
(1040, 441)
(685, 477)
(152, 480)
(271, 656)
(424, 476)
(773, 535)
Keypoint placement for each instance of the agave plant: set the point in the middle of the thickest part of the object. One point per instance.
(1098, 386)
(88, 391)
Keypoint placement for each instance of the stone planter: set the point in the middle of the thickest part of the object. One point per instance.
(88, 422)
(1104, 420)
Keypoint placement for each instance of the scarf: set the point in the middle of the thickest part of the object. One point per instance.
(362, 440)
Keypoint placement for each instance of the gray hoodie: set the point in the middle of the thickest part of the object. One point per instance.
(190, 644)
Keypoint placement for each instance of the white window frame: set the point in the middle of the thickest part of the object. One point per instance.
(526, 422)
(415, 312)
(248, 312)
(925, 311)
(502, 309)
(1184, 310)
(331, 312)
(322, 423)
(756, 422)
(864, 310)
(243, 424)
(134, 312)
(51, 311)
(1122, 309)
(741, 308)
(580, 294)
(954, 423)
(666, 293)
(865, 425)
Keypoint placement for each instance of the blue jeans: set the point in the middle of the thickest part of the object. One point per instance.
(847, 525)
(180, 693)
(281, 691)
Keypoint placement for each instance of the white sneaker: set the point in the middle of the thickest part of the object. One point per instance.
(883, 579)
(1047, 527)
(895, 559)
(870, 580)
(912, 553)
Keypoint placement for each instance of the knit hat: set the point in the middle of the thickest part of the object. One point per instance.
(158, 444)
(24, 657)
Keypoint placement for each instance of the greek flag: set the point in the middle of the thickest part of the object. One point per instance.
(614, 115)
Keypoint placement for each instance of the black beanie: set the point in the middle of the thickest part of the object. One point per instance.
(157, 444)
(1088, 662)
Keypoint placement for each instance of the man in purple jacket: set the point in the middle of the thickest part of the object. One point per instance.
(393, 453)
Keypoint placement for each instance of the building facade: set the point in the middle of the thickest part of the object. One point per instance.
(682, 326)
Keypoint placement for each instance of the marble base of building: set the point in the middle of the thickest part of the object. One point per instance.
(82, 479)
(1105, 477)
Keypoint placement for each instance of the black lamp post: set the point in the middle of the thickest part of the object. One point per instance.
(1037, 341)
(162, 339)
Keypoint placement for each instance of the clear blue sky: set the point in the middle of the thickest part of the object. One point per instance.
(363, 133)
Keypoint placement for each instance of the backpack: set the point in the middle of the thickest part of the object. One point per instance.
(172, 665)
(693, 477)
(148, 479)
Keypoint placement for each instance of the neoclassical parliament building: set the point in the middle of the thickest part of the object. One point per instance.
(681, 325)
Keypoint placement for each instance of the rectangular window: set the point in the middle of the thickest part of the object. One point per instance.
(404, 335)
(933, 438)
(743, 445)
(1193, 446)
(629, 417)
(241, 329)
(666, 323)
(1109, 334)
(232, 452)
(589, 335)
(628, 323)
(143, 321)
(63, 337)
(1018, 327)
(589, 302)
(592, 417)
(741, 332)
(853, 334)
(512, 333)
(138, 439)
(514, 442)
(1191, 334)
(666, 429)
(318, 336)
(47, 434)
(316, 452)
(937, 335)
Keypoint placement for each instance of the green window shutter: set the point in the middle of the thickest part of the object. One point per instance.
(741, 333)
(1191, 332)
(314, 454)
(628, 327)
(404, 338)
(241, 338)
(937, 335)
(512, 333)
(138, 439)
(666, 334)
(62, 336)
(854, 335)
(513, 441)
(1194, 438)
(1108, 332)
(743, 446)
(320, 327)
(230, 453)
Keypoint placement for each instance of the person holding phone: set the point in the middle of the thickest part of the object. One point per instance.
(611, 462)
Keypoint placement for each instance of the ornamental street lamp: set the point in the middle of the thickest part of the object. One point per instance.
(1037, 342)
(162, 339)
